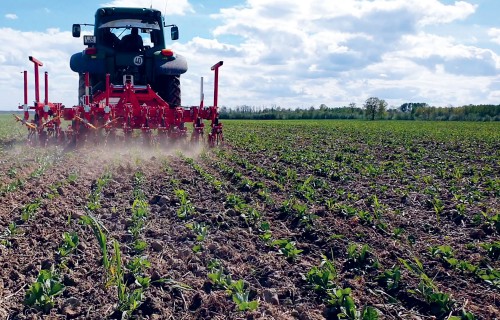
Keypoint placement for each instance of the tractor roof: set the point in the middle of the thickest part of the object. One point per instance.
(107, 12)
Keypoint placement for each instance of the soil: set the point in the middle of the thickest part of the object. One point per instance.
(61, 184)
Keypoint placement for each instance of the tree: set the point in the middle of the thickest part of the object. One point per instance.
(371, 106)
(382, 107)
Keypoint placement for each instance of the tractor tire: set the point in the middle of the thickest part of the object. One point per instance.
(169, 89)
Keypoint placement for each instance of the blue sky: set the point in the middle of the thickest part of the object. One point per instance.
(285, 53)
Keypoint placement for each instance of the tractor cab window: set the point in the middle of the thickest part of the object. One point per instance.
(130, 35)
(109, 38)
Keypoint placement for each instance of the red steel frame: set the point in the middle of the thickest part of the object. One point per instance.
(41, 124)
(126, 107)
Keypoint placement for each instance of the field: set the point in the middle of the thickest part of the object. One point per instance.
(289, 220)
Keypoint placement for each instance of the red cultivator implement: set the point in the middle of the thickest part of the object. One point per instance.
(126, 108)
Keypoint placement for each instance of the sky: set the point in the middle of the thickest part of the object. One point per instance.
(282, 53)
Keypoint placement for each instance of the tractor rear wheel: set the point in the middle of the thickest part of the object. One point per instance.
(169, 89)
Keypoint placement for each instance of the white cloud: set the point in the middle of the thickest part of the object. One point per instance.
(53, 47)
(494, 33)
(178, 7)
(328, 50)
(301, 53)
(11, 16)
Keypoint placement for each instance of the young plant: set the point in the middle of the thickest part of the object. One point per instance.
(42, 293)
(29, 210)
(186, 208)
(100, 235)
(359, 257)
(390, 278)
(438, 208)
(492, 250)
(265, 229)
(287, 248)
(139, 245)
(322, 278)
(138, 265)
(342, 303)
(94, 201)
(236, 289)
(200, 230)
(241, 295)
(440, 303)
(251, 216)
(219, 279)
(70, 243)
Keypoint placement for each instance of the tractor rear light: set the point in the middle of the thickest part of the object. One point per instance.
(167, 52)
(91, 51)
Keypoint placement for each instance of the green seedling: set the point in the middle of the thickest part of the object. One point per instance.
(358, 257)
(70, 243)
(490, 276)
(265, 229)
(100, 235)
(441, 251)
(30, 209)
(139, 245)
(492, 250)
(138, 265)
(140, 209)
(390, 278)
(241, 300)
(322, 278)
(251, 216)
(219, 279)
(128, 301)
(438, 208)
(397, 232)
(199, 229)
(287, 248)
(186, 208)
(42, 293)
(12, 229)
(236, 289)
(343, 304)
(440, 303)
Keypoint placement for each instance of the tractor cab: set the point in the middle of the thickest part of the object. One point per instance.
(129, 43)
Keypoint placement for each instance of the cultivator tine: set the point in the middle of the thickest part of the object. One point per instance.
(51, 121)
(86, 122)
(109, 123)
(26, 123)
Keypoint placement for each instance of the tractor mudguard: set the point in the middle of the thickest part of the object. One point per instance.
(82, 63)
(171, 67)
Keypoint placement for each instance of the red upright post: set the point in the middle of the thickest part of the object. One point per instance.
(107, 90)
(216, 67)
(26, 87)
(86, 98)
(25, 106)
(37, 63)
(46, 88)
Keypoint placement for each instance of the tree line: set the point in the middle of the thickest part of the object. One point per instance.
(373, 109)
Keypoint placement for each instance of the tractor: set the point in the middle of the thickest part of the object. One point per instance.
(128, 81)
